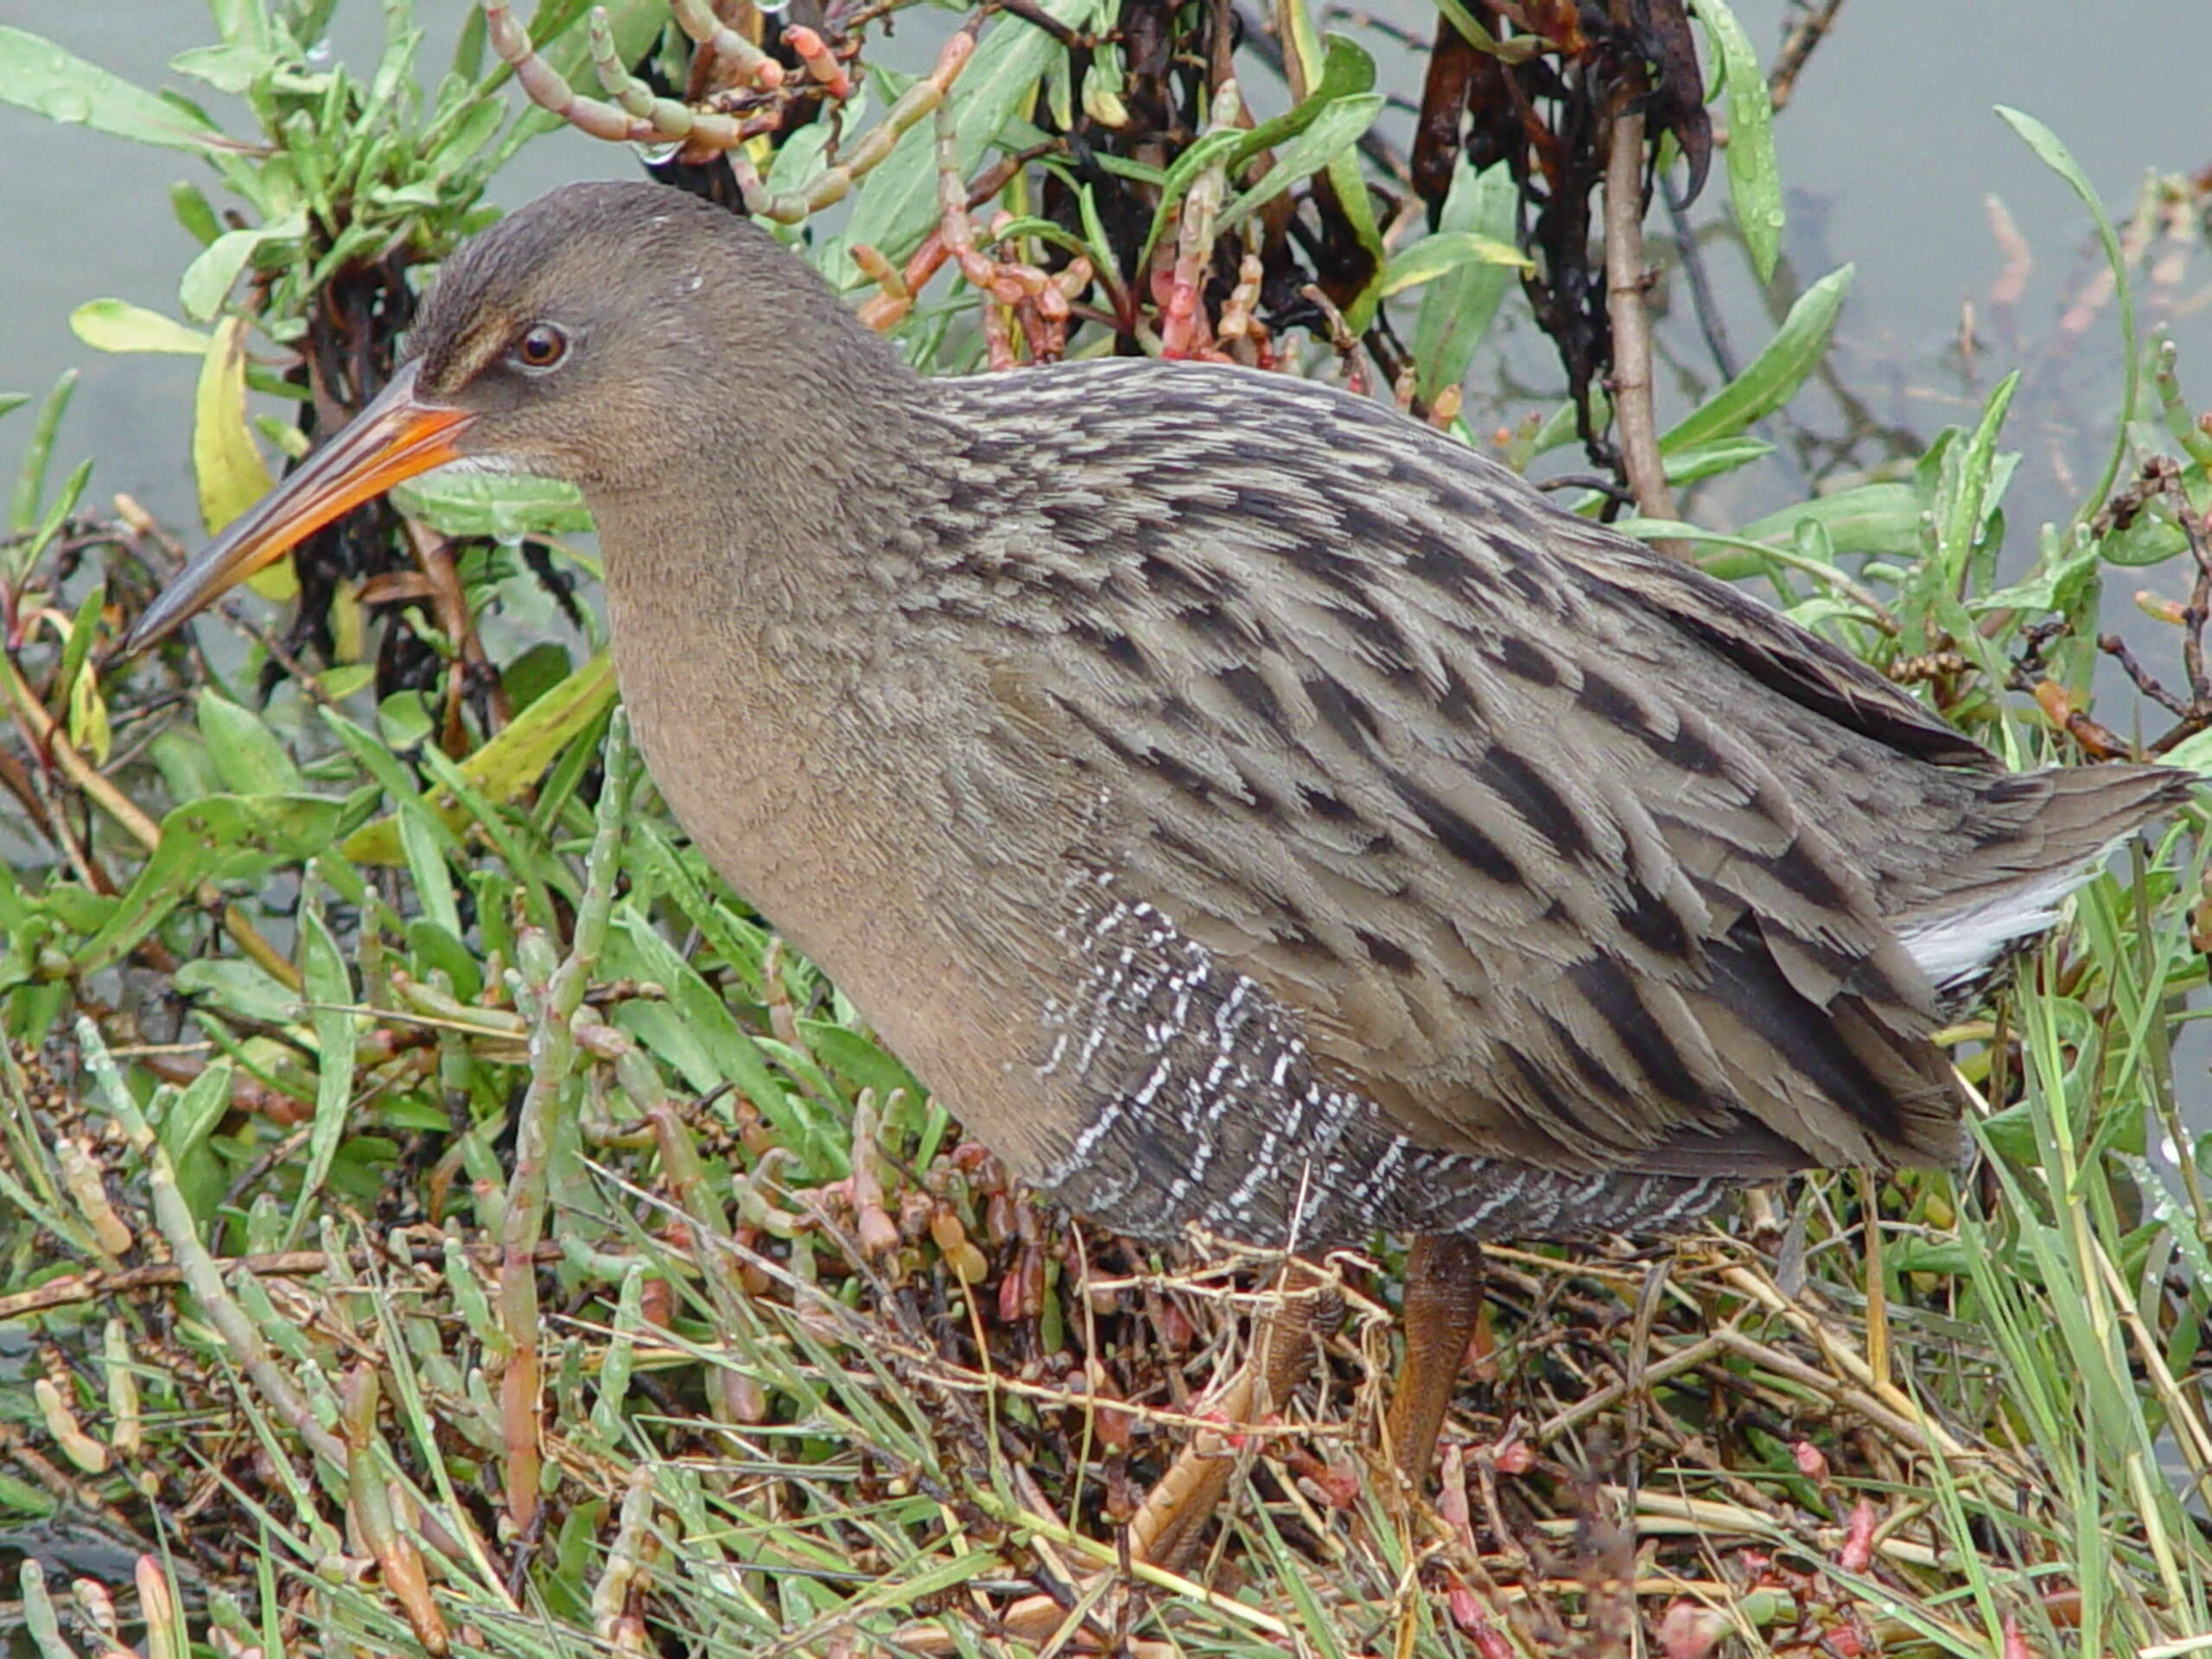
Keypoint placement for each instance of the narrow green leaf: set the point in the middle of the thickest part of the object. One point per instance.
(189, 203)
(694, 1032)
(232, 66)
(1335, 129)
(1702, 460)
(1882, 518)
(1457, 308)
(328, 989)
(502, 768)
(57, 513)
(2054, 155)
(237, 986)
(501, 506)
(1754, 180)
(1349, 186)
(1212, 149)
(426, 868)
(1772, 377)
(83, 626)
(1446, 251)
(1346, 69)
(192, 1114)
(30, 478)
(207, 281)
(226, 466)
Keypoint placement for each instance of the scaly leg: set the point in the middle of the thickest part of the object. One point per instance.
(1444, 1297)
(1166, 1531)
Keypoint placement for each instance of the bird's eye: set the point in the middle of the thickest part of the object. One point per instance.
(541, 346)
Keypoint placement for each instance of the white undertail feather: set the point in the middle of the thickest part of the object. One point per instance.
(1954, 948)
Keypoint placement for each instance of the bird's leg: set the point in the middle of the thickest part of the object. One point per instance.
(1444, 1297)
(1166, 1529)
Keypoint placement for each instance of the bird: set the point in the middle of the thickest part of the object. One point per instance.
(1249, 810)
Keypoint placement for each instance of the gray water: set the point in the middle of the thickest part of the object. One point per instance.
(1889, 149)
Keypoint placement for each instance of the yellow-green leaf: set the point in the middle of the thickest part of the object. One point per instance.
(228, 469)
(510, 762)
(88, 723)
(1433, 256)
(119, 326)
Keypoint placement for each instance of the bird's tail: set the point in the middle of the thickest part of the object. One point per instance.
(2039, 835)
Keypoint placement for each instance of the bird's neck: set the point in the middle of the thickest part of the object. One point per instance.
(805, 715)
(774, 513)
(754, 600)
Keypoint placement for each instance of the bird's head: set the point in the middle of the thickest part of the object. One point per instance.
(606, 333)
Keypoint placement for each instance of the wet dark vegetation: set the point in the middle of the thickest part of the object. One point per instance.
(439, 1216)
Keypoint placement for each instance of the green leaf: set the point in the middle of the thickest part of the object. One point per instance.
(57, 513)
(1336, 127)
(119, 326)
(502, 768)
(189, 203)
(1346, 70)
(1754, 180)
(37, 75)
(89, 726)
(244, 753)
(2040, 590)
(329, 991)
(694, 1032)
(1210, 149)
(1445, 252)
(220, 838)
(1347, 73)
(192, 1116)
(83, 626)
(30, 478)
(237, 986)
(231, 67)
(2192, 753)
(1973, 482)
(1883, 517)
(426, 868)
(1772, 377)
(1702, 460)
(1352, 199)
(848, 1052)
(898, 204)
(207, 281)
(497, 506)
(214, 273)
(1457, 309)
(2054, 155)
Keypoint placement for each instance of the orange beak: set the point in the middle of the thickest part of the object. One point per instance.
(396, 437)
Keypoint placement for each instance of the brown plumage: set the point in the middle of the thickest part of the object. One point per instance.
(1246, 806)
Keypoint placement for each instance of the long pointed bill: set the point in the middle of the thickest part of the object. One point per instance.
(396, 437)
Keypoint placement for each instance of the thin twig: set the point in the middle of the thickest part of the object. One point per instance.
(1809, 30)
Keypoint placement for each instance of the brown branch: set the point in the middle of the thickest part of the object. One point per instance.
(1624, 285)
